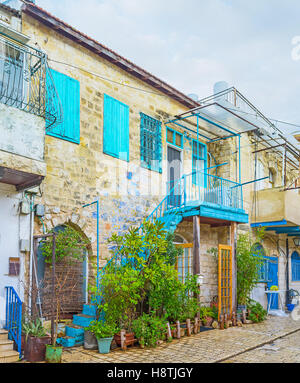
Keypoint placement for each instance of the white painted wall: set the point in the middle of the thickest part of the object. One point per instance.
(13, 227)
(258, 294)
(22, 133)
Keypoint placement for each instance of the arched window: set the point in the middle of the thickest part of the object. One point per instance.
(295, 266)
(184, 263)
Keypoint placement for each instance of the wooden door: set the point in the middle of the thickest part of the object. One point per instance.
(225, 280)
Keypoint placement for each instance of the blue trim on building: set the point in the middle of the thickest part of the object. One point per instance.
(272, 223)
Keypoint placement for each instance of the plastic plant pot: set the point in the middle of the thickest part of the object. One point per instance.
(53, 354)
(290, 307)
(104, 345)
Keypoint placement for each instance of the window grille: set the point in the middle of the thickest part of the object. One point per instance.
(151, 143)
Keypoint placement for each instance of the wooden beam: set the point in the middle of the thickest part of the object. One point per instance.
(196, 252)
(196, 243)
(233, 243)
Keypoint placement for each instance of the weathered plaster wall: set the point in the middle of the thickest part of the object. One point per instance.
(21, 133)
(13, 227)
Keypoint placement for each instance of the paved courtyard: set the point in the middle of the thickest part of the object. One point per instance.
(251, 343)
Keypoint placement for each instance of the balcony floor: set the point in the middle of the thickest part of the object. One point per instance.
(211, 210)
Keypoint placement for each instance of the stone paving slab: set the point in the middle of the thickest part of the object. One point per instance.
(207, 347)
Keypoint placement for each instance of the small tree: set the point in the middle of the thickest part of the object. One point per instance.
(247, 265)
(69, 250)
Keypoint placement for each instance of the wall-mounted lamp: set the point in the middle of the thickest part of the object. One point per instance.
(297, 241)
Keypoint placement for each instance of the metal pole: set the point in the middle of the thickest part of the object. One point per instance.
(53, 287)
(98, 234)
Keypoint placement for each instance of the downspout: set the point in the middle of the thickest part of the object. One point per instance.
(287, 272)
(31, 251)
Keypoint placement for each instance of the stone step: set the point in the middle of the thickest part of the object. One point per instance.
(6, 345)
(9, 356)
(83, 320)
(3, 334)
(89, 310)
(74, 331)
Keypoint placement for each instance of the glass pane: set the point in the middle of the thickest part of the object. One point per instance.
(178, 141)
(170, 136)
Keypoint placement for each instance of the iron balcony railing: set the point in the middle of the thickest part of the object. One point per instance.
(13, 320)
(200, 187)
(26, 82)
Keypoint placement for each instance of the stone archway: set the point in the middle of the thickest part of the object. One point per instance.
(76, 276)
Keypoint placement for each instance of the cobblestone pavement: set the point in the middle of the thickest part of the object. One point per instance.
(211, 346)
(284, 350)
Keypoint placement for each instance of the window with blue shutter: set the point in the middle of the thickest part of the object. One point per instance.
(199, 158)
(116, 128)
(151, 148)
(68, 90)
(295, 266)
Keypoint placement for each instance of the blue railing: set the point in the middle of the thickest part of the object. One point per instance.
(199, 187)
(13, 323)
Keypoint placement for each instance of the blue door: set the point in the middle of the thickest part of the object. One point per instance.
(272, 281)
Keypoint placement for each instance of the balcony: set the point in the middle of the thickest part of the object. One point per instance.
(208, 196)
(275, 207)
(29, 105)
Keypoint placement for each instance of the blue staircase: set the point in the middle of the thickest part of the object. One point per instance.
(74, 333)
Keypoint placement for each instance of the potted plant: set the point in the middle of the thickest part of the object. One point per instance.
(149, 330)
(207, 316)
(35, 341)
(104, 333)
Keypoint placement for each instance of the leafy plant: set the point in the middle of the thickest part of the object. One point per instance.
(102, 329)
(205, 313)
(257, 312)
(247, 265)
(33, 328)
(149, 329)
(69, 246)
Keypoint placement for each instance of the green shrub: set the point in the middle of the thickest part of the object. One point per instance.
(257, 312)
(149, 329)
(102, 329)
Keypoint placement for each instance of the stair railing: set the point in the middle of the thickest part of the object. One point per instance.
(13, 316)
(164, 206)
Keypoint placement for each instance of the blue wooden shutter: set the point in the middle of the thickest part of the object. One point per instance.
(68, 90)
(116, 128)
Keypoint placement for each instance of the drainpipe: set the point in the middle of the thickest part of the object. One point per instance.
(287, 272)
(90, 204)
(31, 251)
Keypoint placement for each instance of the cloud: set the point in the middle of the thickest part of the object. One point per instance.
(192, 44)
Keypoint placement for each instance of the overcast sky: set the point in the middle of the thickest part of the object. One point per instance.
(191, 44)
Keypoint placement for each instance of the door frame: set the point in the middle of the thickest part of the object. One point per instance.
(180, 150)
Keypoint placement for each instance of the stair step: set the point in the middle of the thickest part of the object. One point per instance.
(9, 356)
(3, 334)
(89, 310)
(6, 345)
(74, 331)
(83, 320)
(68, 341)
